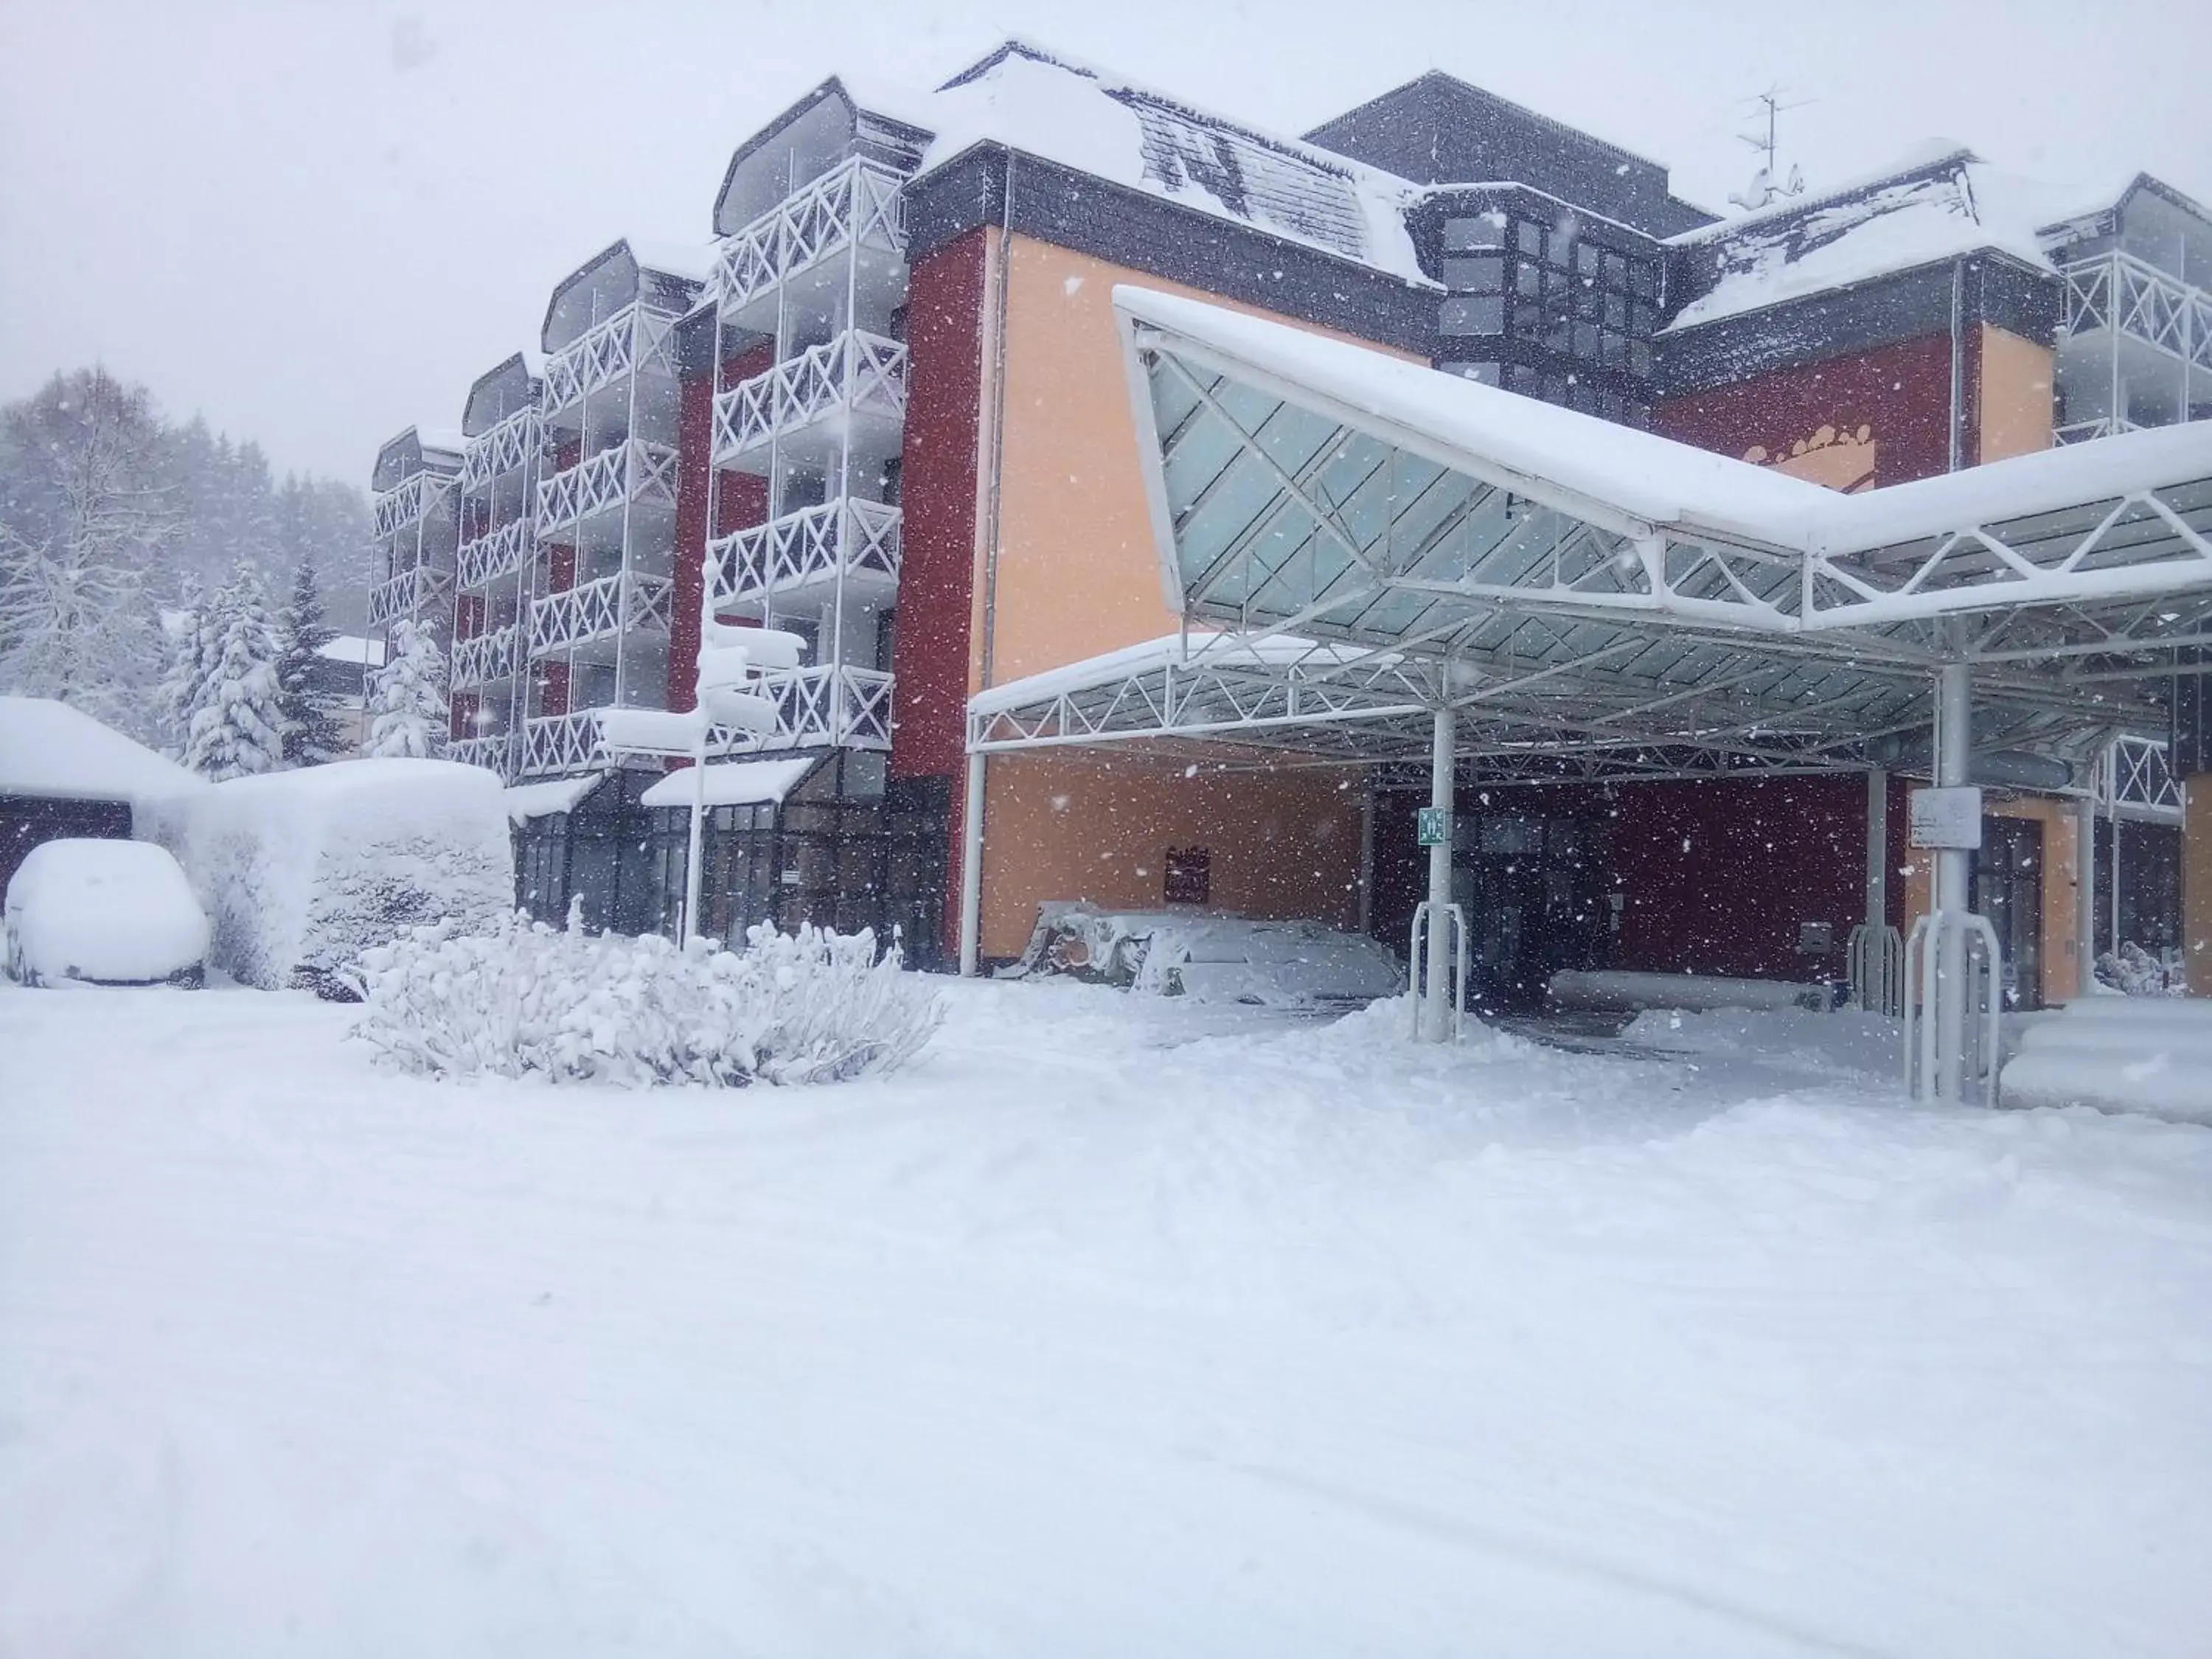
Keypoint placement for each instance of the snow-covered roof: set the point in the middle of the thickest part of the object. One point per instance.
(1936, 207)
(1656, 480)
(1215, 649)
(51, 751)
(732, 783)
(1049, 106)
(353, 651)
(538, 800)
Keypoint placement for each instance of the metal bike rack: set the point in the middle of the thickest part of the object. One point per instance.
(1875, 966)
(1953, 1008)
(1456, 937)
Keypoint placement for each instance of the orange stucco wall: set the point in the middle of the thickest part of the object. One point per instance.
(1075, 572)
(1096, 825)
(2016, 396)
(2196, 884)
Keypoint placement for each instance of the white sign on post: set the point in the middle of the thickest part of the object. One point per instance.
(1948, 820)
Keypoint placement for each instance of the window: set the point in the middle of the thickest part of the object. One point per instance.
(1520, 378)
(1529, 235)
(1644, 279)
(886, 633)
(1527, 279)
(1478, 314)
(1484, 374)
(1585, 344)
(1189, 875)
(1484, 275)
(1464, 235)
(1528, 320)
(1639, 357)
(1613, 349)
(1586, 259)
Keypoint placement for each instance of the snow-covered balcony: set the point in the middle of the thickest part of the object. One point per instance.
(856, 203)
(624, 602)
(2155, 307)
(560, 743)
(827, 705)
(2135, 348)
(488, 657)
(857, 376)
(414, 496)
(500, 449)
(806, 549)
(494, 752)
(633, 471)
(636, 338)
(495, 553)
(416, 592)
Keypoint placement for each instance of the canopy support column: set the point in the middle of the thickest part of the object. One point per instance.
(1436, 1005)
(2085, 895)
(971, 868)
(1954, 876)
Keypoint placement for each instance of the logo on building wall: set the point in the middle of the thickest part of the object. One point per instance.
(1840, 457)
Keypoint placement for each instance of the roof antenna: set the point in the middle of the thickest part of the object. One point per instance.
(1763, 190)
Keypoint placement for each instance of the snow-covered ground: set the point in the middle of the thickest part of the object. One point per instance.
(1110, 1327)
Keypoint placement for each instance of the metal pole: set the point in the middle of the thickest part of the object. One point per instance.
(1877, 856)
(1955, 875)
(2085, 894)
(694, 873)
(1436, 1008)
(971, 868)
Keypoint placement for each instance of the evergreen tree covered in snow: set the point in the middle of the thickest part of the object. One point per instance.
(187, 651)
(407, 698)
(237, 728)
(84, 522)
(311, 735)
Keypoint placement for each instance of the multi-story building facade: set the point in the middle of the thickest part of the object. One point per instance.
(415, 524)
(887, 411)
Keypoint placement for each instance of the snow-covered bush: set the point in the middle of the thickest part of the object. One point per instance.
(2133, 971)
(811, 1007)
(304, 871)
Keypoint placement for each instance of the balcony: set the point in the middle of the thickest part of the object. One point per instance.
(856, 203)
(857, 374)
(802, 548)
(605, 609)
(411, 594)
(635, 339)
(560, 743)
(411, 499)
(511, 444)
(2139, 301)
(488, 657)
(495, 753)
(496, 553)
(827, 705)
(633, 472)
(2081, 432)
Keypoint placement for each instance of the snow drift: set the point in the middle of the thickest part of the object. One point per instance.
(109, 911)
(810, 1007)
(302, 872)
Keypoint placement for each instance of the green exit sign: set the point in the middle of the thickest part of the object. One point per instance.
(1432, 826)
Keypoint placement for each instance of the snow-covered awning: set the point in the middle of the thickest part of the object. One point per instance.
(1580, 589)
(526, 801)
(733, 783)
(50, 751)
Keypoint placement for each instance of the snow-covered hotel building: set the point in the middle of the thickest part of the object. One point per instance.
(893, 406)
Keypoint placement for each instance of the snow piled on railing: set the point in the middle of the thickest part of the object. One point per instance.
(813, 1006)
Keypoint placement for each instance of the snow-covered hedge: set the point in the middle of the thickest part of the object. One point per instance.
(302, 872)
(810, 1007)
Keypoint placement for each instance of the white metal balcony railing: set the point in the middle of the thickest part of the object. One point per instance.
(637, 338)
(811, 545)
(410, 594)
(856, 201)
(488, 657)
(2081, 432)
(511, 444)
(411, 499)
(2134, 775)
(635, 470)
(560, 743)
(2117, 290)
(857, 372)
(621, 604)
(496, 751)
(826, 705)
(496, 553)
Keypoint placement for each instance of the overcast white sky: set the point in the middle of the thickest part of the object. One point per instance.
(316, 221)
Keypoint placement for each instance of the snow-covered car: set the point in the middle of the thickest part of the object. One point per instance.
(98, 912)
(1212, 958)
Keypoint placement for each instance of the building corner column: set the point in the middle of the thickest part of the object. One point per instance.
(2195, 882)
